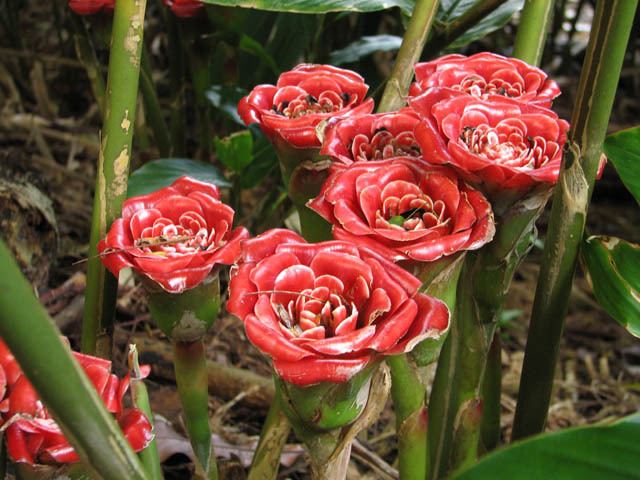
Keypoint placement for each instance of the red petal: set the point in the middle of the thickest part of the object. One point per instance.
(310, 371)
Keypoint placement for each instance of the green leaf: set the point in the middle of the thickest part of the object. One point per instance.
(587, 453)
(613, 266)
(316, 6)
(363, 47)
(235, 151)
(249, 45)
(452, 9)
(225, 98)
(623, 150)
(163, 172)
(264, 160)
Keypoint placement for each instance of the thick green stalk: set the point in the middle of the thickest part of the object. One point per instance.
(113, 170)
(87, 55)
(48, 364)
(189, 361)
(610, 31)
(491, 391)
(409, 401)
(532, 31)
(413, 42)
(273, 438)
(152, 108)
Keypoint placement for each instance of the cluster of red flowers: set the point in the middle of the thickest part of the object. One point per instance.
(181, 8)
(31, 434)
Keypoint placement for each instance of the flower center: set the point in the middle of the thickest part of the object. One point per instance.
(477, 86)
(383, 144)
(411, 212)
(307, 104)
(189, 235)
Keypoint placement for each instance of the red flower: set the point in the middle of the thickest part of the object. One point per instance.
(502, 143)
(405, 210)
(88, 7)
(324, 311)
(302, 98)
(174, 236)
(485, 74)
(184, 8)
(371, 137)
(34, 437)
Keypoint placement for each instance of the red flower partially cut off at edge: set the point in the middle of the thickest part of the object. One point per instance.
(486, 74)
(503, 144)
(361, 138)
(173, 236)
(184, 8)
(301, 99)
(89, 7)
(405, 210)
(33, 436)
(325, 311)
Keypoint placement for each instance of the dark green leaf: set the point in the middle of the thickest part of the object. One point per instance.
(163, 172)
(608, 452)
(363, 47)
(249, 45)
(613, 266)
(235, 151)
(623, 150)
(316, 6)
(225, 98)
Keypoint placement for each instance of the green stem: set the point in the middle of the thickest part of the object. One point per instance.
(191, 377)
(152, 108)
(140, 399)
(409, 401)
(87, 55)
(460, 25)
(610, 31)
(69, 395)
(532, 31)
(113, 170)
(413, 42)
(273, 438)
(491, 390)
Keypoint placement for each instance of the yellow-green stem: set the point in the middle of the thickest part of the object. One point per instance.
(532, 30)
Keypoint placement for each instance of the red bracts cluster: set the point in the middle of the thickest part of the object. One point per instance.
(325, 311)
(33, 436)
(89, 7)
(184, 8)
(174, 236)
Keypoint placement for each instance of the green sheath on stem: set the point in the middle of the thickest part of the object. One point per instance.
(532, 31)
(48, 364)
(113, 170)
(610, 31)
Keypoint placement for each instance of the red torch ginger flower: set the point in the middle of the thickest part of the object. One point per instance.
(89, 7)
(507, 145)
(485, 74)
(371, 137)
(405, 210)
(173, 236)
(301, 99)
(184, 8)
(33, 436)
(325, 311)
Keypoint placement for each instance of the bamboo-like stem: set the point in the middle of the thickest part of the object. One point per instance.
(113, 170)
(532, 31)
(87, 55)
(48, 364)
(152, 108)
(191, 377)
(140, 399)
(460, 25)
(610, 31)
(273, 438)
(413, 42)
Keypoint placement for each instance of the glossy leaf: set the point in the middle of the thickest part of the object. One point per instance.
(587, 453)
(225, 98)
(315, 6)
(235, 150)
(613, 266)
(363, 47)
(163, 172)
(452, 9)
(623, 150)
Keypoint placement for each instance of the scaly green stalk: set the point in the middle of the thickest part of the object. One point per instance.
(273, 438)
(113, 170)
(532, 30)
(140, 399)
(152, 108)
(610, 31)
(68, 394)
(87, 55)
(413, 42)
